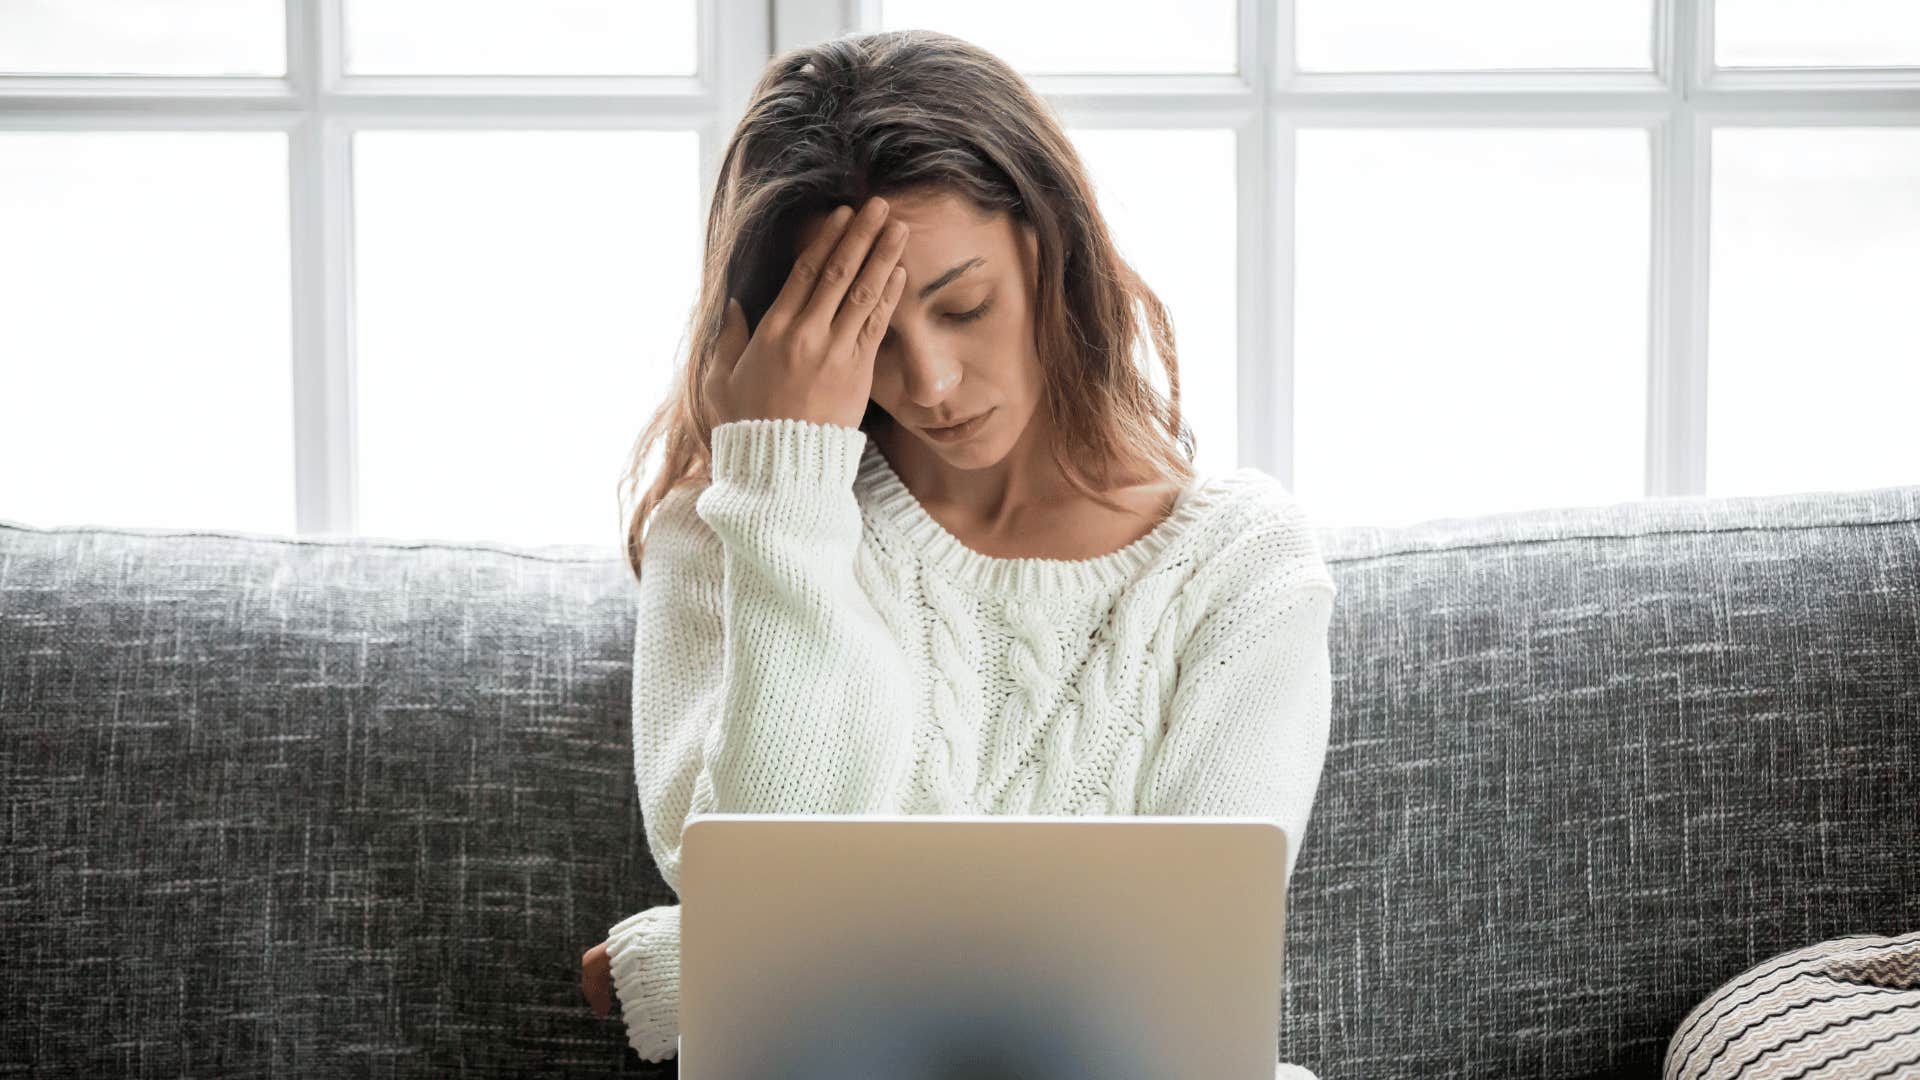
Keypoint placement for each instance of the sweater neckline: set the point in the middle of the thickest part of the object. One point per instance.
(884, 491)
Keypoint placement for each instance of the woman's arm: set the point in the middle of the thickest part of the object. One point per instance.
(1246, 732)
(764, 681)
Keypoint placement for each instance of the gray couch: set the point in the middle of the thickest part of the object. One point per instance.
(355, 808)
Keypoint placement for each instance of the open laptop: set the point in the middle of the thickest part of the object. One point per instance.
(984, 947)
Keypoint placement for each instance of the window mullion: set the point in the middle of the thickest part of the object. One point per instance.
(1676, 397)
(318, 186)
(1695, 195)
(1265, 418)
(793, 23)
(730, 64)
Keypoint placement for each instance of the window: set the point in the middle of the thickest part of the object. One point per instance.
(146, 371)
(344, 267)
(1488, 256)
(417, 267)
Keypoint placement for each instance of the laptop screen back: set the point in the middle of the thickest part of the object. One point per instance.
(928, 947)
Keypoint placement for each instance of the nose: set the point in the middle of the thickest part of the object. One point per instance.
(928, 383)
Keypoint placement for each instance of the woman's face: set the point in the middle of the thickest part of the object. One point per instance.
(961, 340)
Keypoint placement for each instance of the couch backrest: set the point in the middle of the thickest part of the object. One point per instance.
(311, 807)
(351, 806)
(1588, 764)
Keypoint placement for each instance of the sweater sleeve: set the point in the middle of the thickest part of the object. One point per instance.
(764, 680)
(1247, 728)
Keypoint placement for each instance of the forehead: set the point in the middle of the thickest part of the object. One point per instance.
(940, 222)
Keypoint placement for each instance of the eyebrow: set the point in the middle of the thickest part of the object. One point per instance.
(938, 283)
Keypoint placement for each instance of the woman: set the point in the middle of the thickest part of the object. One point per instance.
(926, 539)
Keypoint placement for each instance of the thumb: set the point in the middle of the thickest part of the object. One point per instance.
(727, 347)
(733, 337)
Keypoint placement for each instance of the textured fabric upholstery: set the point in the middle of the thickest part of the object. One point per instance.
(1586, 765)
(311, 808)
(348, 807)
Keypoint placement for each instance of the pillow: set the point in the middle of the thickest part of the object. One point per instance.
(1845, 1007)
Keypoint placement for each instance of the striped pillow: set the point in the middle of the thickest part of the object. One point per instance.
(1845, 1007)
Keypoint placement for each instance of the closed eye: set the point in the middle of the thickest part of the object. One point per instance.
(969, 316)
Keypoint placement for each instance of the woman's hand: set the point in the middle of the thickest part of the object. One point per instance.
(596, 979)
(811, 357)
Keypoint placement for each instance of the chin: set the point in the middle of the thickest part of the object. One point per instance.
(981, 450)
(978, 453)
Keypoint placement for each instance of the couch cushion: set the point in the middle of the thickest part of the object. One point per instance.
(1587, 764)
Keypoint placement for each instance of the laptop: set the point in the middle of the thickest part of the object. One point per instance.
(980, 947)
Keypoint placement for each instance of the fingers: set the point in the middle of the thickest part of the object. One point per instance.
(787, 306)
(874, 330)
(596, 979)
(869, 290)
(856, 240)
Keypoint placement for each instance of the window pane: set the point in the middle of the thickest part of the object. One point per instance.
(1083, 37)
(1812, 370)
(1471, 321)
(520, 37)
(141, 37)
(520, 298)
(145, 367)
(1473, 35)
(1836, 33)
(1168, 196)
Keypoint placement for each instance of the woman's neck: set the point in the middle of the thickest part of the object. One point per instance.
(1023, 497)
(991, 497)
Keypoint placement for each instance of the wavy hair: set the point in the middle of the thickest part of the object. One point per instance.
(918, 110)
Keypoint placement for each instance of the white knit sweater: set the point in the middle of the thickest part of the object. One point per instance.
(810, 640)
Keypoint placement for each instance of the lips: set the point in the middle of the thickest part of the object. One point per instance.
(964, 431)
(960, 423)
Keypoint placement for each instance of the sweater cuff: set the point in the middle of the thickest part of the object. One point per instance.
(785, 452)
(645, 950)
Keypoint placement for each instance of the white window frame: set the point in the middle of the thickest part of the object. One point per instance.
(1679, 104)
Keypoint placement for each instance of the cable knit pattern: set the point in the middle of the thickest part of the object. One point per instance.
(810, 640)
(950, 642)
(1034, 662)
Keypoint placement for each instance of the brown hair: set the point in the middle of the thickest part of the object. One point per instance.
(884, 113)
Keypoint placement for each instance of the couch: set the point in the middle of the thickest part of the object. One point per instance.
(355, 807)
